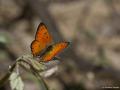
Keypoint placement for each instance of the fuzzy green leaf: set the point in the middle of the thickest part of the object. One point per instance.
(16, 82)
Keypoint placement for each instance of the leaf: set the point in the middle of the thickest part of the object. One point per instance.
(3, 38)
(38, 66)
(49, 72)
(16, 82)
(27, 61)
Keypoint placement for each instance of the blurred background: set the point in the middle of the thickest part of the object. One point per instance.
(91, 62)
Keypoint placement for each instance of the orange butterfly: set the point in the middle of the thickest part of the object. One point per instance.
(40, 46)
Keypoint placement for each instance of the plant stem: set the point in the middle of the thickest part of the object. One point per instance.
(7, 75)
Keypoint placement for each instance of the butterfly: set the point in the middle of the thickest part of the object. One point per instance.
(40, 47)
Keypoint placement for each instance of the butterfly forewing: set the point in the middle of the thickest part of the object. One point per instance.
(42, 39)
(42, 34)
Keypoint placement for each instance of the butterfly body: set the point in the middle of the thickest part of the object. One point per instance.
(41, 43)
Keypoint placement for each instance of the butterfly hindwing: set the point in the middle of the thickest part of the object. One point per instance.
(42, 39)
(53, 50)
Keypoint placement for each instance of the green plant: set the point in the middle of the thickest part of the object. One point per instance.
(29, 64)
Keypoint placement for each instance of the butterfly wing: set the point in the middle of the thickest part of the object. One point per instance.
(42, 39)
(42, 34)
(53, 50)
